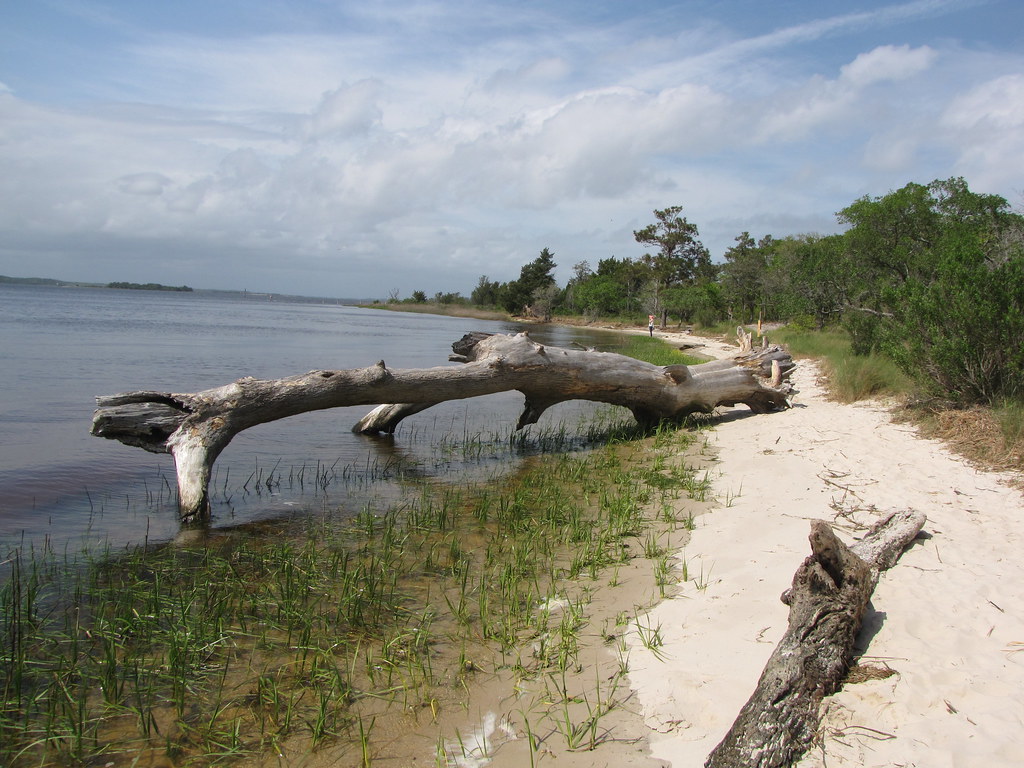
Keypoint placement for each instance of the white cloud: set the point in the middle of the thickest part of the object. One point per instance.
(390, 150)
(284, 73)
(346, 111)
(539, 72)
(760, 52)
(795, 115)
(845, 101)
(887, 62)
(986, 126)
(143, 183)
(891, 152)
(997, 105)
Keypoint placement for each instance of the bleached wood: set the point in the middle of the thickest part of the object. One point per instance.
(196, 427)
(830, 593)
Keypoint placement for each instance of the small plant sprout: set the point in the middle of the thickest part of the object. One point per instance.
(730, 496)
(650, 638)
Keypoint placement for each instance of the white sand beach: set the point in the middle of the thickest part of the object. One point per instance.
(948, 618)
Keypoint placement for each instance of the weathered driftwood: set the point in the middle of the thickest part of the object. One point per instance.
(196, 427)
(830, 592)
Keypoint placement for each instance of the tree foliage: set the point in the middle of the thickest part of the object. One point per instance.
(534, 278)
(938, 272)
(745, 274)
(681, 257)
(486, 292)
(809, 275)
(932, 275)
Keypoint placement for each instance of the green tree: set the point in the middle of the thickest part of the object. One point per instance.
(486, 292)
(419, 297)
(702, 302)
(744, 275)
(544, 301)
(681, 258)
(939, 286)
(599, 295)
(811, 275)
(630, 276)
(581, 272)
(533, 278)
(449, 298)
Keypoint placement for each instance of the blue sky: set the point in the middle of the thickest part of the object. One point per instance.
(354, 149)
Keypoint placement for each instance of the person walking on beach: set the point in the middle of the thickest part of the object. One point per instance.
(650, 325)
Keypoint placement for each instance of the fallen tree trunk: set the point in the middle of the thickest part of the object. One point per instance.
(830, 592)
(195, 427)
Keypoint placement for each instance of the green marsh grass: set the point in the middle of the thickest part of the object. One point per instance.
(851, 377)
(313, 633)
(725, 329)
(1010, 416)
(654, 350)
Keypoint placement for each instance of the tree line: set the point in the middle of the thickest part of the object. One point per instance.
(149, 287)
(930, 275)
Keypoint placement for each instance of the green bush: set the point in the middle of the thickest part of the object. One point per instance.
(938, 276)
(864, 330)
(802, 323)
(961, 333)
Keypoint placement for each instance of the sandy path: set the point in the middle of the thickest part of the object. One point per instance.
(948, 618)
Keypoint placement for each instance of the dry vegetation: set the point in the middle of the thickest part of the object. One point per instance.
(449, 310)
(979, 435)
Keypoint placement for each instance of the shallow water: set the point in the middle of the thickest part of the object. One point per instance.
(60, 347)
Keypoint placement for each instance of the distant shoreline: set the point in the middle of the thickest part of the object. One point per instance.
(48, 282)
(6, 280)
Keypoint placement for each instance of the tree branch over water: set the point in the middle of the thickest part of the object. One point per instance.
(195, 427)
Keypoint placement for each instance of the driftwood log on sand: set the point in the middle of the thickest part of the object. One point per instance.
(195, 427)
(830, 593)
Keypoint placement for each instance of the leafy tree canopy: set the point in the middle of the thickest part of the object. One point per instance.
(681, 257)
(939, 272)
(534, 278)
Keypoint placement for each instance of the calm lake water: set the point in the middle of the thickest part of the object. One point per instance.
(60, 347)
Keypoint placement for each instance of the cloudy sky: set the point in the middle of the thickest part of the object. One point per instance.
(355, 148)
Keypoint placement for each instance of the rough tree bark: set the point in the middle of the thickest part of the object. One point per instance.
(195, 427)
(830, 592)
